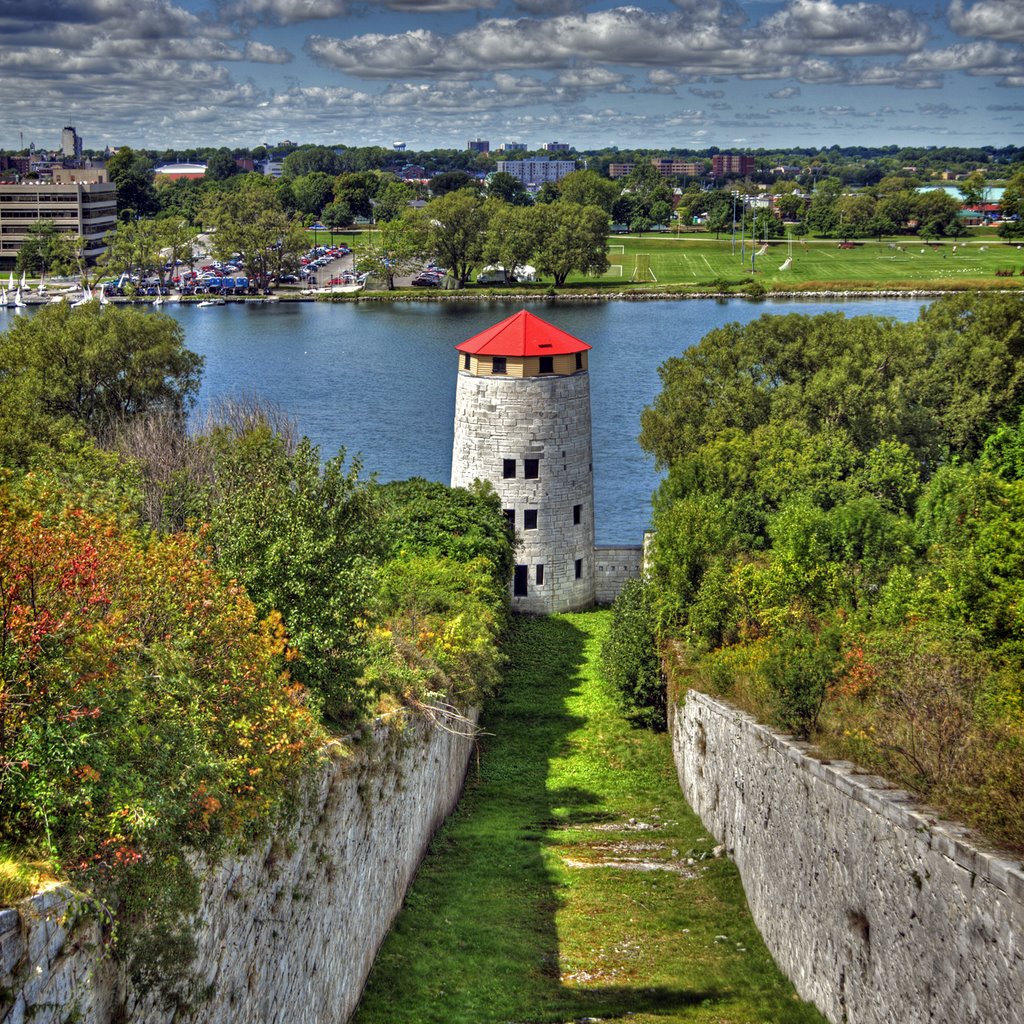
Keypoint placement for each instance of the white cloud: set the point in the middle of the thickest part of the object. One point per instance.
(1002, 20)
(831, 29)
(785, 93)
(981, 58)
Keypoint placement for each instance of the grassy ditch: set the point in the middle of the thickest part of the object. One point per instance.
(573, 881)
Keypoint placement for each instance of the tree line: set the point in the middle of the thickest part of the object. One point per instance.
(188, 616)
(837, 543)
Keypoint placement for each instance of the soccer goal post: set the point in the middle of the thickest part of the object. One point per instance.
(642, 268)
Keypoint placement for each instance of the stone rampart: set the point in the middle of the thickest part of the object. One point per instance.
(614, 566)
(878, 912)
(287, 932)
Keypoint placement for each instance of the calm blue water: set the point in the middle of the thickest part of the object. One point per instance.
(379, 380)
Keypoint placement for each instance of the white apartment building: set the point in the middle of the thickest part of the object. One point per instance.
(537, 170)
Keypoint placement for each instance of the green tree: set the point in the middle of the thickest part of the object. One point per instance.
(307, 159)
(221, 165)
(251, 221)
(822, 214)
(451, 181)
(572, 238)
(337, 215)
(90, 368)
(630, 657)
(937, 213)
(178, 238)
(972, 189)
(587, 188)
(358, 189)
(508, 189)
(1011, 208)
(133, 248)
(513, 235)
(46, 249)
(298, 534)
(312, 192)
(456, 226)
(392, 200)
(397, 249)
(132, 174)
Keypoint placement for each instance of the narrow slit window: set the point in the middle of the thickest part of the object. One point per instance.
(510, 516)
(540, 575)
(579, 568)
(579, 360)
(530, 519)
(531, 468)
(577, 514)
(465, 360)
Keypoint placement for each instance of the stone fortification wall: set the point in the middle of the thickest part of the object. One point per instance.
(613, 567)
(545, 419)
(289, 931)
(876, 911)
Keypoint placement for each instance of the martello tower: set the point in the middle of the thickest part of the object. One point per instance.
(522, 422)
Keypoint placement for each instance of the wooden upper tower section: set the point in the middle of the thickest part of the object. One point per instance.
(523, 346)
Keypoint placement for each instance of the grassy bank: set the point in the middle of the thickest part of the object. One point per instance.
(573, 881)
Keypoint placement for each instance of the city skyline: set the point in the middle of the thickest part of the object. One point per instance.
(160, 74)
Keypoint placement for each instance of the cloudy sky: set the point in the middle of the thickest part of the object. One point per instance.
(435, 73)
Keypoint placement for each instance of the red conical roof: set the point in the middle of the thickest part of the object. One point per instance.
(522, 334)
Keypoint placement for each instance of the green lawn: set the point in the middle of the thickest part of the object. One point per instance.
(699, 262)
(906, 264)
(561, 888)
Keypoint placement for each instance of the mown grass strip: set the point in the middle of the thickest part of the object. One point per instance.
(573, 881)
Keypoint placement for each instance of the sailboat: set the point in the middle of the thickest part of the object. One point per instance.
(19, 302)
(86, 297)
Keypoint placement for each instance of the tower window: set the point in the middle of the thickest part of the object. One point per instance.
(579, 568)
(520, 580)
(577, 514)
(510, 515)
(540, 575)
(498, 365)
(508, 468)
(547, 364)
(531, 468)
(465, 360)
(530, 519)
(579, 360)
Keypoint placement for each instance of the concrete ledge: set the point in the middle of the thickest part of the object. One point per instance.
(875, 908)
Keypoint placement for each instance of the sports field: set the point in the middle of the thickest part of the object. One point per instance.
(699, 261)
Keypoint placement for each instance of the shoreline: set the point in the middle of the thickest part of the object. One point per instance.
(588, 297)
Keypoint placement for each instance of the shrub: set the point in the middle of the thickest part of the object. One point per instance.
(800, 665)
(145, 710)
(629, 656)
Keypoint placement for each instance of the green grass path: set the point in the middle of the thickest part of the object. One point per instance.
(573, 881)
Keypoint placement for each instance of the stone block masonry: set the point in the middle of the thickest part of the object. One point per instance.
(879, 913)
(613, 568)
(287, 932)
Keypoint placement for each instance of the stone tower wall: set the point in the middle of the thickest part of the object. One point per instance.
(548, 419)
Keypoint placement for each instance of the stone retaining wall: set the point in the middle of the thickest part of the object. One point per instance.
(878, 912)
(288, 932)
(614, 566)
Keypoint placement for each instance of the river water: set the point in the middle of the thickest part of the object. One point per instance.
(379, 378)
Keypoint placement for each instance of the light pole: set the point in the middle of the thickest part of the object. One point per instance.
(734, 223)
